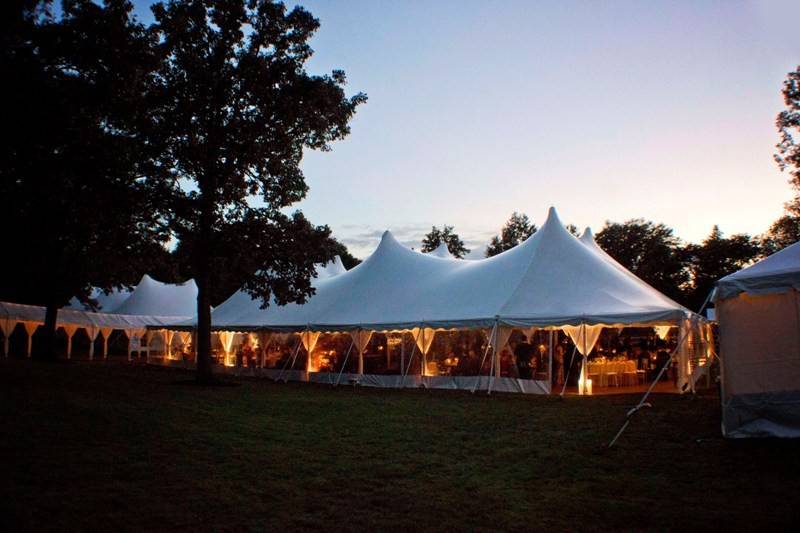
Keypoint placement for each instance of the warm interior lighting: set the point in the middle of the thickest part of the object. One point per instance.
(587, 388)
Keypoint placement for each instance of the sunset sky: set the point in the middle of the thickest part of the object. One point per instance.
(605, 110)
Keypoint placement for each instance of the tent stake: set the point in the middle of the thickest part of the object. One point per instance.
(643, 402)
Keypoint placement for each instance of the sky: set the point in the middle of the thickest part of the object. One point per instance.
(605, 110)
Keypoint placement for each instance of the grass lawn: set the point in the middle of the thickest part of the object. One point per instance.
(96, 446)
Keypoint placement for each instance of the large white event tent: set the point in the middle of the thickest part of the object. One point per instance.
(758, 310)
(551, 281)
(151, 304)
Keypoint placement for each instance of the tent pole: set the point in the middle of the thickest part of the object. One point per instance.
(410, 360)
(296, 353)
(264, 346)
(584, 371)
(283, 369)
(642, 403)
(550, 364)
(569, 368)
(495, 360)
(92, 338)
(485, 353)
(346, 357)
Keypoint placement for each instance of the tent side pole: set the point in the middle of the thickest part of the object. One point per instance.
(550, 364)
(569, 369)
(483, 359)
(410, 360)
(283, 369)
(584, 370)
(264, 347)
(495, 370)
(346, 357)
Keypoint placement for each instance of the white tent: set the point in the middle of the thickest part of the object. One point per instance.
(549, 281)
(151, 305)
(332, 268)
(107, 303)
(151, 297)
(442, 251)
(758, 310)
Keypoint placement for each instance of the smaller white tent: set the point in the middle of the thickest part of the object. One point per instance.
(106, 303)
(151, 297)
(758, 310)
(442, 251)
(332, 268)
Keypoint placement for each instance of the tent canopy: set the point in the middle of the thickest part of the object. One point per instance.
(552, 278)
(106, 303)
(442, 251)
(151, 297)
(35, 314)
(778, 272)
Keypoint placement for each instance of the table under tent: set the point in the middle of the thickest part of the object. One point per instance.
(758, 310)
(151, 304)
(512, 322)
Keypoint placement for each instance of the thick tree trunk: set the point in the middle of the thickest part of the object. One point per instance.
(50, 326)
(204, 373)
(202, 260)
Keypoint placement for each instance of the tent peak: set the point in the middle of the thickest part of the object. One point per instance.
(442, 251)
(552, 217)
(588, 235)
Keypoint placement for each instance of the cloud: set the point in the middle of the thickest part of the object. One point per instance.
(362, 239)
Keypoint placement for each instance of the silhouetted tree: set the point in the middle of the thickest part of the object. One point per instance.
(348, 260)
(517, 229)
(77, 206)
(649, 250)
(437, 236)
(784, 232)
(233, 112)
(788, 124)
(715, 257)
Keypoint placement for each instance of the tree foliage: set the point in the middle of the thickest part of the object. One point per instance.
(649, 250)
(348, 260)
(437, 236)
(233, 110)
(77, 203)
(788, 124)
(517, 229)
(714, 258)
(784, 232)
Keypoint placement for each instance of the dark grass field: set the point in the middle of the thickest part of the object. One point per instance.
(119, 448)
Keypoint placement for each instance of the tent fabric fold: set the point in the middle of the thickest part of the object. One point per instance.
(583, 337)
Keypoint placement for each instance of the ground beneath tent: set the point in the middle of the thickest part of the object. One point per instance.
(108, 446)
